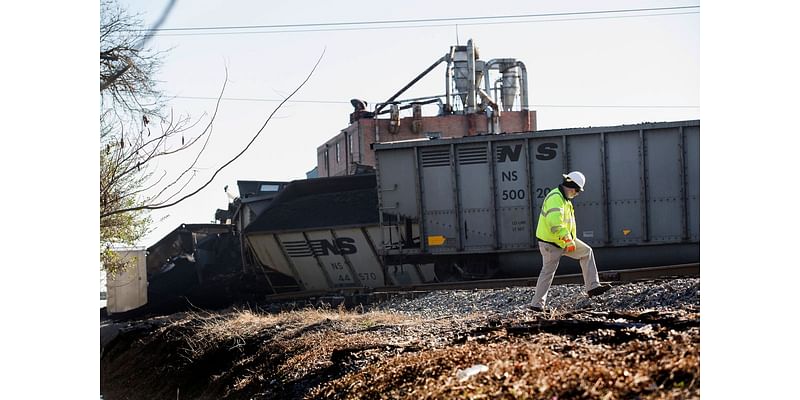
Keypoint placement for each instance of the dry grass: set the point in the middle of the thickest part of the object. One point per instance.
(236, 327)
(546, 366)
(323, 353)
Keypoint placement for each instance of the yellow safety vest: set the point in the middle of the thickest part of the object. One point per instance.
(557, 219)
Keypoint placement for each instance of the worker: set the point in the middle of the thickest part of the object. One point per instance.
(556, 235)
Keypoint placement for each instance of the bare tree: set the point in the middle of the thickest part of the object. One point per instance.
(136, 134)
(127, 65)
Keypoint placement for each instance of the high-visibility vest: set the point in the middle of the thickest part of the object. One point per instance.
(557, 219)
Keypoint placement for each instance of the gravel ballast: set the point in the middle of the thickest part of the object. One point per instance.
(655, 295)
(638, 340)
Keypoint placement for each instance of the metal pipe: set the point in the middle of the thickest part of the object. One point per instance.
(499, 80)
(448, 77)
(485, 97)
(471, 103)
(503, 65)
(494, 119)
(407, 106)
(523, 83)
(391, 99)
(496, 63)
(417, 99)
(489, 65)
(377, 129)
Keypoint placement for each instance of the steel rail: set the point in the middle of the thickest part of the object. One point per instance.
(611, 276)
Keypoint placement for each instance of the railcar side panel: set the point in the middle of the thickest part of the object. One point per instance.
(511, 194)
(268, 251)
(643, 190)
(585, 156)
(304, 263)
(438, 197)
(476, 214)
(692, 143)
(397, 194)
(663, 157)
(359, 254)
(624, 188)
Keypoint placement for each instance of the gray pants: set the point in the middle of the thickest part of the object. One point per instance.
(551, 255)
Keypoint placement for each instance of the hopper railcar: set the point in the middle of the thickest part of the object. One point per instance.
(466, 208)
(475, 201)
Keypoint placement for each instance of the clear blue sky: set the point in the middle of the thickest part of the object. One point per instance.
(583, 70)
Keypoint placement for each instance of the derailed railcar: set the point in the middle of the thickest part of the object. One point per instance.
(323, 234)
(475, 201)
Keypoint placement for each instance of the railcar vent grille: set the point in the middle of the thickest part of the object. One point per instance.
(298, 248)
(472, 155)
(435, 157)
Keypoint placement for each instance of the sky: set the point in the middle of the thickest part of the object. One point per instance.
(584, 69)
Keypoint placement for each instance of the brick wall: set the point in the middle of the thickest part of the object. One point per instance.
(354, 141)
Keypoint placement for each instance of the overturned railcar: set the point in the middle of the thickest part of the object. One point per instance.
(323, 234)
(474, 202)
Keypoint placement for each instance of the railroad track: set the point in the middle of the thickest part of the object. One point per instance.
(611, 276)
(622, 275)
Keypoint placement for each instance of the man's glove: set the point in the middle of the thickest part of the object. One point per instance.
(570, 245)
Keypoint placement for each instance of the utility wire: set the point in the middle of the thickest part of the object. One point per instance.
(405, 21)
(415, 26)
(261, 100)
(347, 102)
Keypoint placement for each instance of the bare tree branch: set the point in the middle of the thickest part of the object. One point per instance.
(189, 168)
(113, 77)
(152, 207)
(142, 190)
(155, 153)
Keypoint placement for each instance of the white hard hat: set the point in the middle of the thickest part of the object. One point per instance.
(577, 177)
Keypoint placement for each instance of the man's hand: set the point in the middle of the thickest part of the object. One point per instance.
(570, 245)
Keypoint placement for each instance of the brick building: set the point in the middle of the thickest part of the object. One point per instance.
(469, 85)
(350, 149)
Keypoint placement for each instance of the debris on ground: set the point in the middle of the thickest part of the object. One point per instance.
(638, 340)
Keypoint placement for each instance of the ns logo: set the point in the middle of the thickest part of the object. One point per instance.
(322, 247)
(545, 151)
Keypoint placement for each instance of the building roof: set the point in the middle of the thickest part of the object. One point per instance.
(256, 188)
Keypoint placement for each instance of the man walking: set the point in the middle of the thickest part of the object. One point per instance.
(556, 235)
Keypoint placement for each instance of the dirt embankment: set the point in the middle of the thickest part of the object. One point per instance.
(578, 350)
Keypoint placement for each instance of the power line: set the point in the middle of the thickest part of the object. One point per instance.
(260, 100)
(608, 106)
(426, 20)
(347, 102)
(416, 26)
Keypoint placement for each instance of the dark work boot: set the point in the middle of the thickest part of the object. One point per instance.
(599, 290)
